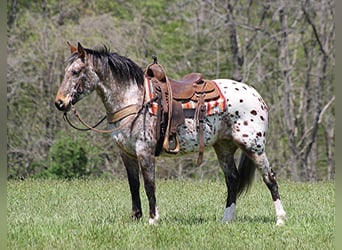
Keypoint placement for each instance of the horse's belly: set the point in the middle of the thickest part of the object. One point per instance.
(188, 134)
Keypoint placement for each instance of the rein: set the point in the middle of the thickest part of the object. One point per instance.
(133, 109)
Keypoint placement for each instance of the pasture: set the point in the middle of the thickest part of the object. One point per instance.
(95, 214)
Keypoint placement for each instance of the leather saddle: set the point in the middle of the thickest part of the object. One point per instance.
(170, 96)
(189, 87)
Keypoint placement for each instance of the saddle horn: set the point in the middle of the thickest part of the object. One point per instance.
(155, 60)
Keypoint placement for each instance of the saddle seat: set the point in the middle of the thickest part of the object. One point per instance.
(184, 88)
(189, 87)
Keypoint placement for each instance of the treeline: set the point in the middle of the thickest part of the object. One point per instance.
(285, 49)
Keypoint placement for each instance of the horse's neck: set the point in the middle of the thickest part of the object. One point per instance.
(116, 96)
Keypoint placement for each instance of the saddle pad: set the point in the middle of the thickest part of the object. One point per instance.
(212, 107)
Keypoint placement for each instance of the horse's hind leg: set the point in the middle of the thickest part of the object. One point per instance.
(268, 175)
(132, 168)
(225, 155)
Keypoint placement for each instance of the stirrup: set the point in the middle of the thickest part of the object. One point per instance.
(171, 144)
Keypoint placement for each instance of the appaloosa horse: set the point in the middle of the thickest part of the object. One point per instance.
(120, 83)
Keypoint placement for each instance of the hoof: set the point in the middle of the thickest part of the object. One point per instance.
(229, 214)
(280, 223)
(281, 219)
(155, 219)
(136, 215)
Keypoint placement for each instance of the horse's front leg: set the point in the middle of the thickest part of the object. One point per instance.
(146, 160)
(132, 168)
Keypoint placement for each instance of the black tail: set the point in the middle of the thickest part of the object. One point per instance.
(246, 173)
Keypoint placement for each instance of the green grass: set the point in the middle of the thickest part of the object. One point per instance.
(94, 214)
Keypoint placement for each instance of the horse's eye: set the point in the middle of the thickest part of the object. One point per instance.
(75, 73)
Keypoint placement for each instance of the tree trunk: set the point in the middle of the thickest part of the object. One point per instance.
(234, 44)
(287, 102)
(13, 14)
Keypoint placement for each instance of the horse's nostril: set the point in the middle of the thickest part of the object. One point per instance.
(59, 104)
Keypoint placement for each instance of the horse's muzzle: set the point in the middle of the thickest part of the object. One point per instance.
(61, 105)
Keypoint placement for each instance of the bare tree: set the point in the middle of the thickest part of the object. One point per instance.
(285, 49)
(323, 36)
(303, 123)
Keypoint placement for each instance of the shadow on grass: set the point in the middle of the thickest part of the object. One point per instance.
(198, 220)
(186, 220)
(255, 219)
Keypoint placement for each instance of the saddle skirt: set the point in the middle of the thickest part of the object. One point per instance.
(213, 107)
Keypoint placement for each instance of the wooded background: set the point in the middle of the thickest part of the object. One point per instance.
(284, 48)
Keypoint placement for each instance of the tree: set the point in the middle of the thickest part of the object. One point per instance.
(285, 49)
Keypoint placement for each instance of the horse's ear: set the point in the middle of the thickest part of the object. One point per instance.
(80, 49)
(72, 48)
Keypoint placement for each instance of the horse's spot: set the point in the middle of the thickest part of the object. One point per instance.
(229, 105)
(252, 120)
(253, 112)
(262, 118)
(237, 112)
(258, 146)
(245, 123)
(237, 89)
(244, 88)
(234, 82)
(241, 100)
(244, 135)
(264, 134)
(262, 107)
(259, 134)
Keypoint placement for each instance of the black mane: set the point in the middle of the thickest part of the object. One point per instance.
(122, 68)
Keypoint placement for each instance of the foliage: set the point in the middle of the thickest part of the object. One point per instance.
(71, 158)
(95, 214)
(68, 158)
(186, 36)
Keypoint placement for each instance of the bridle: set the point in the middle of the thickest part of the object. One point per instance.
(133, 109)
(119, 115)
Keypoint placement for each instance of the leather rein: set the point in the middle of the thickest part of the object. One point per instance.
(130, 110)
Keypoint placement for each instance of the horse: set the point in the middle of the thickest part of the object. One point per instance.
(119, 82)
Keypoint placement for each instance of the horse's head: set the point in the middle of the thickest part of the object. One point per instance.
(80, 79)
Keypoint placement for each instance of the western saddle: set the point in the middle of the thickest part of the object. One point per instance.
(170, 94)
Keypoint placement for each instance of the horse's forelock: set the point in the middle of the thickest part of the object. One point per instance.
(72, 58)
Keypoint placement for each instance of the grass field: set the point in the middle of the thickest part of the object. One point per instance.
(94, 214)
